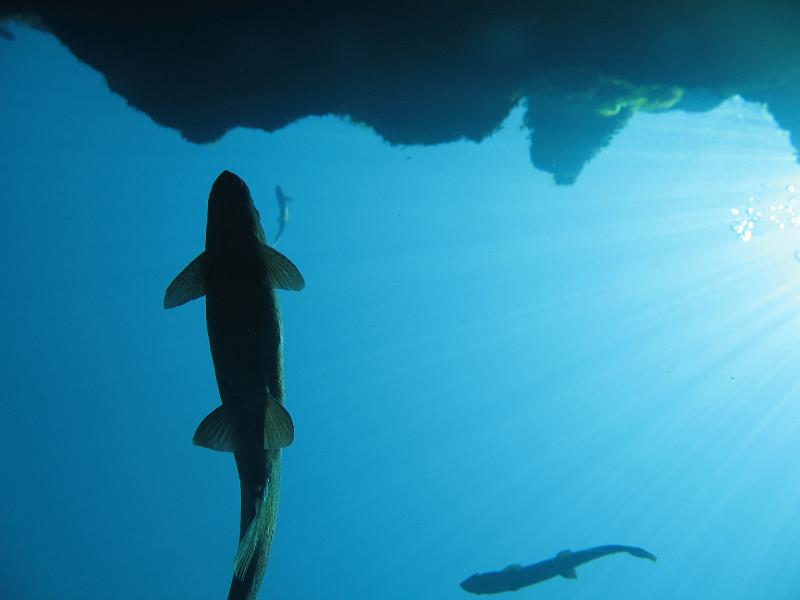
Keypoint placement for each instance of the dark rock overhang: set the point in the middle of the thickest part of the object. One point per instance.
(433, 72)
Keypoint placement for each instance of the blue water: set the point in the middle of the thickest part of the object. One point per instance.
(483, 369)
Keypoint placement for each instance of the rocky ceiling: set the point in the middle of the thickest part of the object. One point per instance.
(428, 72)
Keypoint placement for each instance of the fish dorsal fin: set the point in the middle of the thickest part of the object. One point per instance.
(281, 272)
(514, 567)
(278, 426)
(217, 431)
(569, 573)
(564, 554)
(189, 284)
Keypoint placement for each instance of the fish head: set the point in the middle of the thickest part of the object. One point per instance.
(471, 584)
(233, 220)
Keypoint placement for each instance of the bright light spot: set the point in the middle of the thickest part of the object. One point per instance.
(779, 202)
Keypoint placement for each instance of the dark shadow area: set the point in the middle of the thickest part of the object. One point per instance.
(433, 72)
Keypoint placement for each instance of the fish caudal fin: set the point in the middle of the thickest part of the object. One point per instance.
(189, 284)
(278, 426)
(217, 431)
(251, 539)
(259, 511)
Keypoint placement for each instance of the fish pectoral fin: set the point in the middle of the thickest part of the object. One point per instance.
(217, 431)
(281, 272)
(189, 284)
(569, 573)
(278, 426)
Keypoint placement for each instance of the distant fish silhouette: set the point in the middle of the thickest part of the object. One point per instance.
(514, 577)
(6, 34)
(283, 212)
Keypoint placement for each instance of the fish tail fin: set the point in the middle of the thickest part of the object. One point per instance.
(250, 540)
(259, 511)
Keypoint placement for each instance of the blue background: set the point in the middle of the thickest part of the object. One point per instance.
(483, 369)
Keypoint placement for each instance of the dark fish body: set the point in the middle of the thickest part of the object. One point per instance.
(237, 273)
(515, 577)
